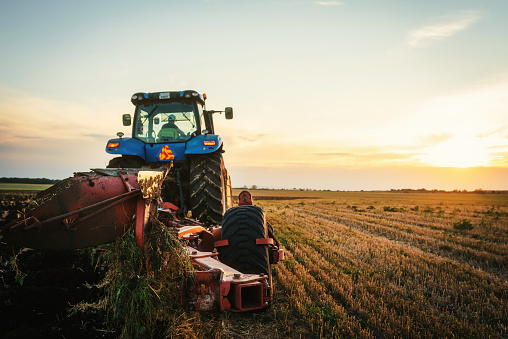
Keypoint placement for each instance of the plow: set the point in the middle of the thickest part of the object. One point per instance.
(95, 208)
(177, 177)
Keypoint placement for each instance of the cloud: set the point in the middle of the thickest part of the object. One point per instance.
(499, 131)
(252, 137)
(28, 116)
(333, 154)
(368, 155)
(386, 157)
(100, 137)
(433, 139)
(474, 118)
(448, 26)
(330, 3)
(457, 129)
(27, 137)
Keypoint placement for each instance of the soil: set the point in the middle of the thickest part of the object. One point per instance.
(52, 293)
(41, 291)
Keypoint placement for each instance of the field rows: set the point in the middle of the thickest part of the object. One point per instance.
(490, 255)
(354, 272)
(373, 265)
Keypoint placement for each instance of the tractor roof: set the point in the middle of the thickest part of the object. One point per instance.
(187, 94)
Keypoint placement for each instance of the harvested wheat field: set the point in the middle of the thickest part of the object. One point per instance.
(358, 264)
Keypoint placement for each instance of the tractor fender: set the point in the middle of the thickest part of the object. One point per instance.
(127, 146)
(203, 144)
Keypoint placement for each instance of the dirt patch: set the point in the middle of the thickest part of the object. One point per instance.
(39, 288)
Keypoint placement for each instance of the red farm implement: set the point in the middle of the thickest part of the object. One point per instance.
(231, 261)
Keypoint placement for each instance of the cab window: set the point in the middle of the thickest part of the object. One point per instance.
(165, 122)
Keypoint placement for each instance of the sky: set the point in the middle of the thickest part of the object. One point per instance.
(340, 95)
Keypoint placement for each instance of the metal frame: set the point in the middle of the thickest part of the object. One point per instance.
(93, 209)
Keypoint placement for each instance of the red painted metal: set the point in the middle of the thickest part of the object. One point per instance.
(185, 230)
(198, 235)
(95, 208)
(208, 238)
(140, 224)
(264, 241)
(222, 243)
(169, 206)
(244, 198)
(125, 180)
(215, 286)
(277, 254)
(78, 212)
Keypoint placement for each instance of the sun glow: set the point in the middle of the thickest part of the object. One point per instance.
(457, 152)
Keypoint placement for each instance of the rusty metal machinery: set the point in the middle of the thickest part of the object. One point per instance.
(96, 207)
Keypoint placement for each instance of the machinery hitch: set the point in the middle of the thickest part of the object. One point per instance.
(97, 207)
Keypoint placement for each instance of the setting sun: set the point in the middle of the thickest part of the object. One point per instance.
(457, 152)
(363, 96)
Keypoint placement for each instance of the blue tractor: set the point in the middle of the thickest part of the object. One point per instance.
(175, 129)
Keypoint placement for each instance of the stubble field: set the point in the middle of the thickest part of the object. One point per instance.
(395, 264)
(358, 264)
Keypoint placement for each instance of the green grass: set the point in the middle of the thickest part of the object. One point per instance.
(23, 187)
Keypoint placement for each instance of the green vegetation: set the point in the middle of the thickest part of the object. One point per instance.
(26, 184)
(143, 293)
(23, 187)
(43, 181)
(464, 224)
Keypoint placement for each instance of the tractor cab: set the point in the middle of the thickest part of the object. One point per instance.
(174, 129)
(167, 122)
(166, 126)
(166, 117)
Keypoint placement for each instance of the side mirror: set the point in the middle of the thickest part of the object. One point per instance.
(229, 112)
(126, 118)
(156, 121)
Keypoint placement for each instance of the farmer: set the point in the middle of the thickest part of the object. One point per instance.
(170, 130)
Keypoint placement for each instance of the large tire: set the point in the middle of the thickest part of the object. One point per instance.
(241, 226)
(126, 161)
(206, 188)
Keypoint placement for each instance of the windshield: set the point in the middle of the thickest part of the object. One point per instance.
(165, 122)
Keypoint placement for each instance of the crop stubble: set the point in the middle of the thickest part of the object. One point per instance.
(364, 264)
(394, 264)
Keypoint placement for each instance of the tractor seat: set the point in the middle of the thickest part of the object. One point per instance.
(167, 134)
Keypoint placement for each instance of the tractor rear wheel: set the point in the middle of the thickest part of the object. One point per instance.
(241, 226)
(126, 161)
(206, 187)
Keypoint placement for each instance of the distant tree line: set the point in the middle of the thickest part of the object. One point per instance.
(423, 190)
(393, 190)
(29, 181)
